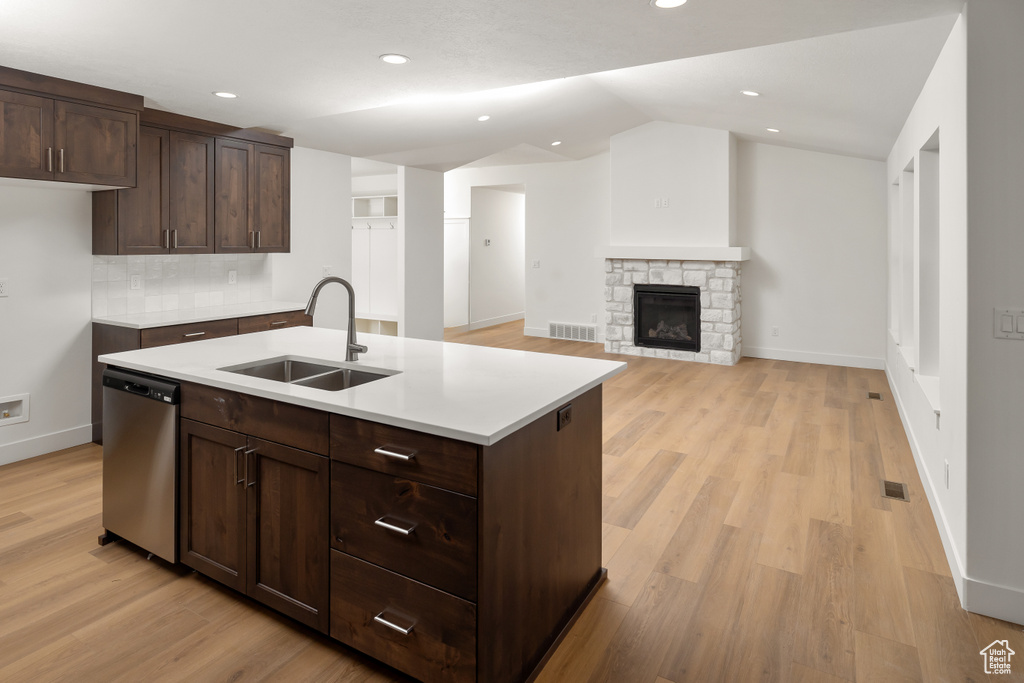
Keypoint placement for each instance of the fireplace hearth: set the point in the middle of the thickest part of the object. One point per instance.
(666, 317)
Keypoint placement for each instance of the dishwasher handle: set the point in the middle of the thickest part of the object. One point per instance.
(144, 386)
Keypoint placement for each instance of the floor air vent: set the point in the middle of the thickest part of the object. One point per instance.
(874, 396)
(894, 490)
(586, 333)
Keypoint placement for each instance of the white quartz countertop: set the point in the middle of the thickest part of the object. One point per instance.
(141, 321)
(471, 393)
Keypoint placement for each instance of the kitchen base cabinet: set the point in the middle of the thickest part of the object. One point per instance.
(254, 516)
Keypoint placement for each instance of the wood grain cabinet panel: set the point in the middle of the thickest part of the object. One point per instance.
(273, 321)
(26, 136)
(440, 642)
(433, 460)
(235, 196)
(178, 334)
(288, 531)
(273, 199)
(417, 530)
(94, 145)
(212, 507)
(143, 219)
(192, 193)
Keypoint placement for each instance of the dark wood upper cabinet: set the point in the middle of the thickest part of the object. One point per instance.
(192, 193)
(142, 212)
(52, 129)
(26, 136)
(273, 199)
(236, 194)
(94, 145)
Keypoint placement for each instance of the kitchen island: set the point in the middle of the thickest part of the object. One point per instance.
(444, 518)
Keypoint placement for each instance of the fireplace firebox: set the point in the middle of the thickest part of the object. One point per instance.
(666, 317)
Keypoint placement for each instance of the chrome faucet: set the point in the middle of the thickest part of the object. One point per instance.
(352, 348)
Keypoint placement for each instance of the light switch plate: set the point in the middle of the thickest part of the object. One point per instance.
(5, 287)
(1005, 323)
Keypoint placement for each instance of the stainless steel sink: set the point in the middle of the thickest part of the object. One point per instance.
(283, 370)
(340, 379)
(307, 373)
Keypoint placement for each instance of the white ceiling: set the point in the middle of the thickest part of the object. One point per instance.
(836, 75)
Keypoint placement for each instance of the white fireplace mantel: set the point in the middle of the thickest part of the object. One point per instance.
(673, 253)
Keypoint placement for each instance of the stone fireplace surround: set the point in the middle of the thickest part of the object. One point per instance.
(719, 283)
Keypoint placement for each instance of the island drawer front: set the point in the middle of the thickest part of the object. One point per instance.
(283, 423)
(417, 530)
(436, 460)
(177, 334)
(441, 645)
(273, 321)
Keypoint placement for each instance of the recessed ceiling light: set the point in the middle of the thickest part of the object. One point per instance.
(772, 130)
(751, 93)
(556, 143)
(394, 59)
(226, 95)
(483, 118)
(667, 4)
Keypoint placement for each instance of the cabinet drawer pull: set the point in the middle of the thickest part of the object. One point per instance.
(278, 322)
(405, 531)
(396, 452)
(194, 334)
(395, 627)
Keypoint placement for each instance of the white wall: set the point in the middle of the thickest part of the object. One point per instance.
(321, 222)
(995, 367)
(688, 165)
(497, 270)
(567, 215)
(816, 224)
(373, 185)
(420, 253)
(942, 106)
(46, 342)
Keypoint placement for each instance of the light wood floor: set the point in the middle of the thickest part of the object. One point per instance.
(745, 538)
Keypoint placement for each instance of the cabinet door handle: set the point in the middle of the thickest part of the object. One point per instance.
(60, 158)
(258, 240)
(49, 159)
(252, 239)
(175, 240)
(251, 468)
(194, 334)
(405, 531)
(238, 452)
(167, 239)
(404, 630)
(396, 452)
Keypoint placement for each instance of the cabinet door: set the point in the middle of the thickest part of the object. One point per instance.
(273, 199)
(26, 136)
(192, 193)
(142, 211)
(289, 529)
(212, 519)
(234, 198)
(94, 145)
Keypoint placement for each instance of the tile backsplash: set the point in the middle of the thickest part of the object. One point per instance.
(172, 282)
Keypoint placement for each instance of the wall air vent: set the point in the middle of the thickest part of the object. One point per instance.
(587, 333)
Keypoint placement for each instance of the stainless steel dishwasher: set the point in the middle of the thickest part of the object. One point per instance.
(140, 461)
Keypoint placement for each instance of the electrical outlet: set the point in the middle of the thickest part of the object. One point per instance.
(135, 282)
(232, 277)
(657, 203)
(664, 202)
(564, 417)
(775, 330)
(5, 287)
(536, 263)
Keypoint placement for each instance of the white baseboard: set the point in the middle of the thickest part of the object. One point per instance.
(817, 358)
(536, 332)
(480, 324)
(956, 566)
(40, 445)
(995, 601)
(457, 328)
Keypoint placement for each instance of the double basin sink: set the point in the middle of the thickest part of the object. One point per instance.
(311, 374)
